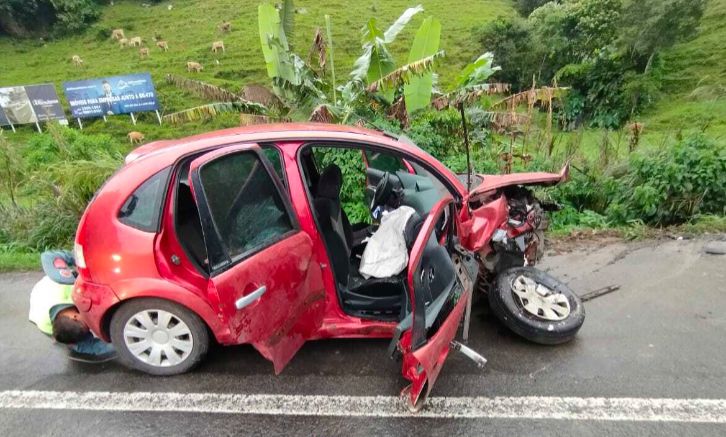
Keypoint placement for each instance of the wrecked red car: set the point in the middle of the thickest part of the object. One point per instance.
(240, 236)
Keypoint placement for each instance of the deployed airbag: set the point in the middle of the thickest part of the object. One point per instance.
(386, 254)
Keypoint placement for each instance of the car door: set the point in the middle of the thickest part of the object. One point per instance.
(440, 280)
(261, 264)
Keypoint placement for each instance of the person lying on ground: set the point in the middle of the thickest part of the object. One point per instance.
(53, 312)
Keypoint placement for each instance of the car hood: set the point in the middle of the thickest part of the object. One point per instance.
(494, 182)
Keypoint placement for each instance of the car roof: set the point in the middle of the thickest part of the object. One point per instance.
(172, 149)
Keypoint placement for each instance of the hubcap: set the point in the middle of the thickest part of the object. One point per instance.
(158, 338)
(539, 300)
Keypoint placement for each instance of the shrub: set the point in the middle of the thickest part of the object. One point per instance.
(675, 184)
(63, 170)
(669, 187)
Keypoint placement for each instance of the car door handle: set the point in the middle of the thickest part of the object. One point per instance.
(248, 299)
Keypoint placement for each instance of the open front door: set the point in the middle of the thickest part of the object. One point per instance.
(262, 268)
(440, 282)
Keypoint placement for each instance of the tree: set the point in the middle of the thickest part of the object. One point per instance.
(652, 25)
(525, 7)
(517, 52)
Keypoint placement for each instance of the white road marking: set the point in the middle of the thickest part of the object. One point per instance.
(529, 407)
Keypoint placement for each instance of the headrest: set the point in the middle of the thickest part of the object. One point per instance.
(412, 228)
(330, 183)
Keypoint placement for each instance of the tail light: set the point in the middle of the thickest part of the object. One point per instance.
(78, 255)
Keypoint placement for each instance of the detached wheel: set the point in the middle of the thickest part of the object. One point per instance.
(158, 337)
(536, 306)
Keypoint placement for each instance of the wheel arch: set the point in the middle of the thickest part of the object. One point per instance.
(160, 289)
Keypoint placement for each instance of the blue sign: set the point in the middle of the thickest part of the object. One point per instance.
(111, 95)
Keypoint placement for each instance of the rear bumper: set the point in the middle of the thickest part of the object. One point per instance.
(93, 301)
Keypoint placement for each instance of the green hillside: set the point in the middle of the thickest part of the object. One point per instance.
(695, 79)
(694, 71)
(191, 26)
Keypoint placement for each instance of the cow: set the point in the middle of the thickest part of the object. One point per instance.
(144, 52)
(77, 61)
(118, 34)
(218, 45)
(194, 67)
(162, 45)
(135, 41)
(123, 42)
(135, 137)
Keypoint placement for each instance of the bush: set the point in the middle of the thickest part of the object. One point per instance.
(62, 171)
(675, 184)
(669, 187)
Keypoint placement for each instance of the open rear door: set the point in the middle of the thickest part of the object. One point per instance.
(262, 268)
(440, 282)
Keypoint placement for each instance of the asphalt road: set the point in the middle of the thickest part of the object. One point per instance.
(660, 336)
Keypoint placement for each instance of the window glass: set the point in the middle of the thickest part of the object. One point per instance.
(142, 208)
(273, 155)
(244, 202)
(384, 161)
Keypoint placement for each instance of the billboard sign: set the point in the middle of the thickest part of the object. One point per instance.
(29, 104)
(111, 95)
(3, 118)
(45, 102)
(16, 105)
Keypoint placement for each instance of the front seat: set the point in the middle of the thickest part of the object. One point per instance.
(333, 222)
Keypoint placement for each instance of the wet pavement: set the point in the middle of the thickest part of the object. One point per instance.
(661, 335)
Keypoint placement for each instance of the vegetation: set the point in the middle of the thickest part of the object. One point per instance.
(631, 92)
(605, 50)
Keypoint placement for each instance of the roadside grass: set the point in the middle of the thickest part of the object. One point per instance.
(19, 261)
(700, 225)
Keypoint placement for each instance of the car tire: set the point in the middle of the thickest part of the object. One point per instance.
(158, 337)
(518, 315)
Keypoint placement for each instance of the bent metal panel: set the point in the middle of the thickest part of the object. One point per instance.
(111, 95)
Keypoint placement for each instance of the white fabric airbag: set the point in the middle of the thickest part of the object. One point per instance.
(386, 254)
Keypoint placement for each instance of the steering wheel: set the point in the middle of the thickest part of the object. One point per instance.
(382, 191)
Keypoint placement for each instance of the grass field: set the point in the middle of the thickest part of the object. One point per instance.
(190, 27)
(695, 71)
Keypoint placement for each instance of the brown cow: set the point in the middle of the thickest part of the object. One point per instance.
(162, 45)
(225, 26)
(118, 34)
(135, 137)
(144, 52)
(218, 45)
(194, 67)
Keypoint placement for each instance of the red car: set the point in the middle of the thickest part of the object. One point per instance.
(239, 236)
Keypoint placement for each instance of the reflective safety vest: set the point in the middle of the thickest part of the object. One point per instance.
(48, 297)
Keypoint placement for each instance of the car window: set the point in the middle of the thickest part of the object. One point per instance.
(246, 207)
(384, 161)
(273, 155)
(142, 209)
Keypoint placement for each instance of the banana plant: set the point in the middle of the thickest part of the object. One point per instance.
(376, 60)
(417, 91)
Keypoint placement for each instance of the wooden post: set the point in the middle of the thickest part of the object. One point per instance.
(133, 119)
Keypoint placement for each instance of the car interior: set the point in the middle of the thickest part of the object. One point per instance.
(387, 188)
(379, 298)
